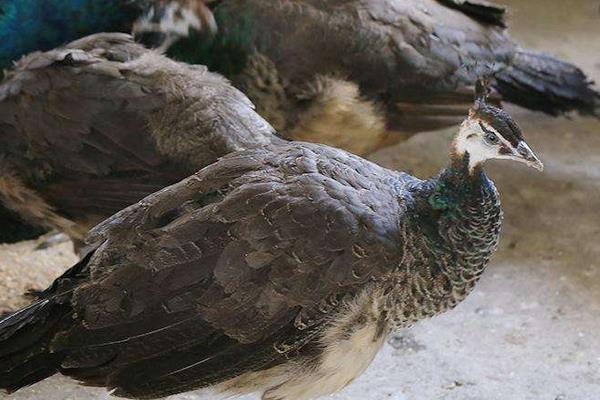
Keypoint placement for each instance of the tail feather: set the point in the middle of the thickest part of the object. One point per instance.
(13, 322)
(25, 338)
(38, 368)
(541, 82)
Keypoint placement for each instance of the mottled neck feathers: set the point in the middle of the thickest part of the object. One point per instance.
(460, 214)
(456, 186)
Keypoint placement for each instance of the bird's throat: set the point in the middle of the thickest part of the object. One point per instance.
(458, 184)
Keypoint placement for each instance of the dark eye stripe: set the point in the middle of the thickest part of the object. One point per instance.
(504, 150)
(490, 136)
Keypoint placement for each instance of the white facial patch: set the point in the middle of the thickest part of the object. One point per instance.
(176, 19)
(471, 139)
(179, 20)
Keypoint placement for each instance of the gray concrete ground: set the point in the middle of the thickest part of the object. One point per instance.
(531, 330)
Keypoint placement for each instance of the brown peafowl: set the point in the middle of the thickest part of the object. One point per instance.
(362, 74)
(278, 270)
(92, 127)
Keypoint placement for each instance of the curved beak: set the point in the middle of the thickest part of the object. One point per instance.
(526, 155)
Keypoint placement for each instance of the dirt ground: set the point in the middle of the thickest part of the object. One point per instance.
(530, 331)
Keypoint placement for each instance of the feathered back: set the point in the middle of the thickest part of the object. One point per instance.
(96, 125)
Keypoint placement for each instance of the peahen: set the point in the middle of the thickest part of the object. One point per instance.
(361, 74)
(92, 127)
(278, 270)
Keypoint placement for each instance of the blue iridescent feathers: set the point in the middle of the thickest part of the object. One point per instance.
(30, 25)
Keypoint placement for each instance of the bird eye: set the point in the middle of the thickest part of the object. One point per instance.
(491, 138)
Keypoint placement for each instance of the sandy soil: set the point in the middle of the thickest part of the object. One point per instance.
(530, 329)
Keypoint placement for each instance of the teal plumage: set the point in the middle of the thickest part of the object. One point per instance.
(226, 52)
(32, 25)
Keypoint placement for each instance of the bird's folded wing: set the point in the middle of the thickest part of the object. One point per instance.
(233, 267)
(437, 53)
(107, 122)
(483, 11)
(73, 117)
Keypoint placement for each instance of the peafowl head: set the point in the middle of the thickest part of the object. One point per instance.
(491, 133)
(164, 22)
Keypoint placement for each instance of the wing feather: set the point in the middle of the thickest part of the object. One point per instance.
(484, 11)
(205, 279)
(88, 121)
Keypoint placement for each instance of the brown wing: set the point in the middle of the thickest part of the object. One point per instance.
(103, 122)
(408, 54)
(439, 52)
(230, 269)
(483, 11)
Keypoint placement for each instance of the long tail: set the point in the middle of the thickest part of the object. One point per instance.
(26, 336)
(24, 345)
(541, 82)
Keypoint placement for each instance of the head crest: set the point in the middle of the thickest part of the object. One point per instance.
(482, 91)
(499, 119)
(481, 73)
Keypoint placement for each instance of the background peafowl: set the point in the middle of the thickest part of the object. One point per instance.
(92, 127)
(356, 74)
(361, 74)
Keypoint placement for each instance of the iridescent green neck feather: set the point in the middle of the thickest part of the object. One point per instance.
(225, 52)
(453, 230)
